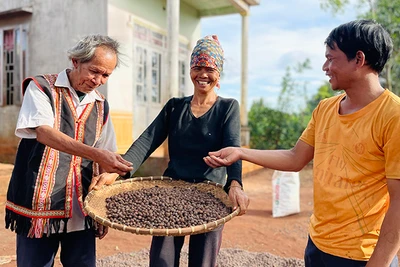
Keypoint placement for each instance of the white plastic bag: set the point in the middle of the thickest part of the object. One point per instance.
(285, 193)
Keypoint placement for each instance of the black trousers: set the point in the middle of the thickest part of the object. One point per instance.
(77, 249)
(313, 257)
(203, 249)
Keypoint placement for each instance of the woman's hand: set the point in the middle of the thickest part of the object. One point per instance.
(103, 179)
(100, 230)
(238, 197)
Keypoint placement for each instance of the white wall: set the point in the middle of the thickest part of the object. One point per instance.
(57, 25)
(122, 14)
(53, 27)
(6, 5)
(120, 83)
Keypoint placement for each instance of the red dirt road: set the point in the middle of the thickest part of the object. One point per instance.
(256, 231)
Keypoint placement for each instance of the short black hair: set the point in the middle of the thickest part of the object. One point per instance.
(363, 35)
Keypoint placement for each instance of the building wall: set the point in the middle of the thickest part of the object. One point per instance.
(8, 140)
(155, 12)
(120, 16)
(53, 27)
(6, 5)
(56, 26)
(120, 83)
(152, 14)
(9, 114)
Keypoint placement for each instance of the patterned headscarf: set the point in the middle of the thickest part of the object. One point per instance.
(208, 53)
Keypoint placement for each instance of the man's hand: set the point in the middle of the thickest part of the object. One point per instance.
(102, 179)
(109, 161)
(113, 162)
(222, 157)
(238, 197)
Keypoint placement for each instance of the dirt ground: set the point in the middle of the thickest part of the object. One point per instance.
(257, 231)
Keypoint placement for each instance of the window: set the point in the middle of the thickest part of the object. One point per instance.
(149, 58)
(13, 47)
(148, 75)
(182, 78)
(141, 79)
(155, 77)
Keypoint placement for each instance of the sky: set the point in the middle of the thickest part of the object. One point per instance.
(282, 33)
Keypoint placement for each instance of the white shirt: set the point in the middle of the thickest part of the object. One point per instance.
(36, 111)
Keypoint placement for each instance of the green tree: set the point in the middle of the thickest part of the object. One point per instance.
(387, 13)
(272, 129)
(324, 91)
(292, 90)
(280, 128)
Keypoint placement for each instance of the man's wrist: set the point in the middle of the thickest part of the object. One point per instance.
(94, 154)
(241, 153)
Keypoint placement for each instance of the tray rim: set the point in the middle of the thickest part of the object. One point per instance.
(197, 229)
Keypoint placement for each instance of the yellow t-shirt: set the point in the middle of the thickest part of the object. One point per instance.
(353, 156)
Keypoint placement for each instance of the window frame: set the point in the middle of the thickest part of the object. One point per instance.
(156, 98)
(20, 64)
(182, 77)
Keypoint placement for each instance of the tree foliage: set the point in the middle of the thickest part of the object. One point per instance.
(387, 13)
(335, 6)
(324, 91)
(280, 128)
(272, 129)
(292, 90)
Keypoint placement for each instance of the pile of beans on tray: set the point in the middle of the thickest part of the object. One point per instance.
(165, 207)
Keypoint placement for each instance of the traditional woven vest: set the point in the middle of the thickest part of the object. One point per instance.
(40, 192)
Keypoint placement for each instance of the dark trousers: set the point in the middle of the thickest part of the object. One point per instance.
(313, 257)
(203, 249)
(77, 250)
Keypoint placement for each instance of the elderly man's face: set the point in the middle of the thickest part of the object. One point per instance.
(96, 72)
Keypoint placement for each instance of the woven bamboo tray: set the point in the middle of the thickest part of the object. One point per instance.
(95, 204)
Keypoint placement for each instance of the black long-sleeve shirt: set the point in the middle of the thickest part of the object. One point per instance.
(190, 139)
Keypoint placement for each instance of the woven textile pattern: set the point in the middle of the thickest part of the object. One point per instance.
(208, 53)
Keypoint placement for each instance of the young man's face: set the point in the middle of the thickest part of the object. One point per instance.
(338, 68)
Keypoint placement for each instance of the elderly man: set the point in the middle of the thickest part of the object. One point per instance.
(67, 138)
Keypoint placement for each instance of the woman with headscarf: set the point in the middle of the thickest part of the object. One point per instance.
(194, 125)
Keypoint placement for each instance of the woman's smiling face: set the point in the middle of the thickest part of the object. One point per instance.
(204, 78)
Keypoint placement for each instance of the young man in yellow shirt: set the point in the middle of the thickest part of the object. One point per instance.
(353, 140)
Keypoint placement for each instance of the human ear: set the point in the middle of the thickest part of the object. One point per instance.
(74, 62)
(360, 58)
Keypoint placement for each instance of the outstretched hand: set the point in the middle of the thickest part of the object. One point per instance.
(222, 157)
(102, 179)
(114, 163)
